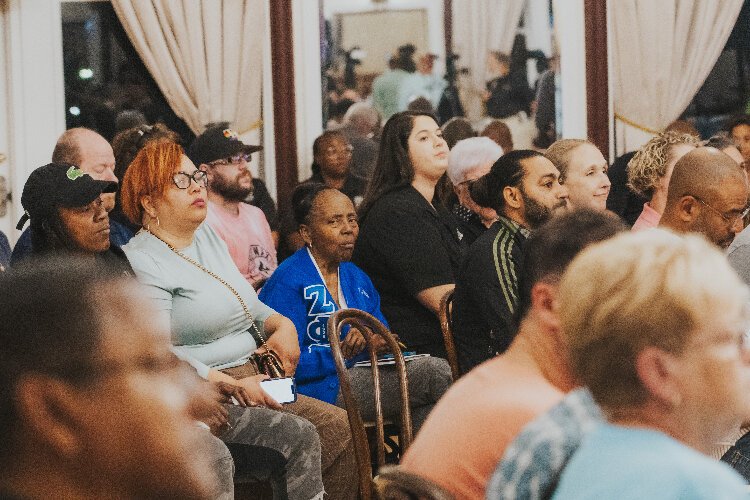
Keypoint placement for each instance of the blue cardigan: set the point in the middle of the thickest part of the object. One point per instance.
(297, 291)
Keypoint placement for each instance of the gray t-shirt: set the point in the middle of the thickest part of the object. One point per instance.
(209, 326)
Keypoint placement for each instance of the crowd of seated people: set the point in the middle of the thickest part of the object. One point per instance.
(595, 360)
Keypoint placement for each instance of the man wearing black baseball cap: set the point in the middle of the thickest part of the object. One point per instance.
(67, 213)
(244, 228)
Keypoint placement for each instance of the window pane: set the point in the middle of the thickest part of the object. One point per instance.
(107, 87)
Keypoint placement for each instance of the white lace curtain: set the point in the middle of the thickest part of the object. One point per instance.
(481, 26)
(662, 53)
(205, 55)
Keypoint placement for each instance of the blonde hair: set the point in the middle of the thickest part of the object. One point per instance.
(652, 288)
(649, 164)
(559, 154)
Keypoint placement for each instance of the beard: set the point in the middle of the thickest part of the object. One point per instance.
(537, 214)
(230, 189)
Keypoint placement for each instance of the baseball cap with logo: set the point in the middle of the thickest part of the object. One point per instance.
(59, 185)
(216, 143)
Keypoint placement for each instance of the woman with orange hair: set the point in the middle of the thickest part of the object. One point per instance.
(216, 319)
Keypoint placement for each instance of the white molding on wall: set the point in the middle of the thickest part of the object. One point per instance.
(36, 90)
(307, 81)
(610, 86)
(269, 144)
(571, 39)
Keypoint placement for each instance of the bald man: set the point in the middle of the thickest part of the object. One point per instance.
(92, 153)
(707, 194)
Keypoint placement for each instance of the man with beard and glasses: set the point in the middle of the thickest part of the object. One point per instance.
(523, 187)
(243, 227)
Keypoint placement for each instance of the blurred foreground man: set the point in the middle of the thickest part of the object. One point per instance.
(92, 401)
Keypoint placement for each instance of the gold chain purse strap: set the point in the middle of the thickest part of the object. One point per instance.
(220, 280)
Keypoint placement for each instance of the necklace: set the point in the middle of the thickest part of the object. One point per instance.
(220, 280)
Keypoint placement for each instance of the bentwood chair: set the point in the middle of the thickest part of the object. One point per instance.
(446, 324)
(368, 325)
(395, 484)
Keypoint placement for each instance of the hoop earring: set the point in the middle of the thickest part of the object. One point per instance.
(147, 226)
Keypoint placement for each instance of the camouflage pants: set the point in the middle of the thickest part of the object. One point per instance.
(336, 463)
(258, 436)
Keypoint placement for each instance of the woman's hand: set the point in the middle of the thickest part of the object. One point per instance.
(256, 393)
(208, 408)
(353, 344)
(228, 391)
(281, 336)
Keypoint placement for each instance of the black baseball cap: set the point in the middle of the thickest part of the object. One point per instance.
(216, 143)
(59, 185)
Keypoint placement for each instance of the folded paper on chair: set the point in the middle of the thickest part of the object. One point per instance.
(388, 359)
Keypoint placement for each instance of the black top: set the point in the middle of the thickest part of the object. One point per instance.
(508, 96)
(486, 295)
(115, 259)
(622, 200)
(470, 226)
(354, 187)
(262, 199)
(406, 245)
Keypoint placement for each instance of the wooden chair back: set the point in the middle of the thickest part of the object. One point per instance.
(395, 484)
(446, 324)
(368, 325)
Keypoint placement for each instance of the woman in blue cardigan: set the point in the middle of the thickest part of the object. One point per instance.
(317, 281)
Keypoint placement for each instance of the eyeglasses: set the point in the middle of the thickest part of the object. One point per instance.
(232, 160)
(729, 219)
(182, 179)
(346, 150)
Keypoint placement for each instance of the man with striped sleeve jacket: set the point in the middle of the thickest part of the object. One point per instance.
(526, 191)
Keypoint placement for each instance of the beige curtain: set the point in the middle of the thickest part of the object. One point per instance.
(662, 52)
(480, 26)
(205, 55)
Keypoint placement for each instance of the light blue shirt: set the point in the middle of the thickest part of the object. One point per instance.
(208, 324)
(629, 463)
(420, 85)
(534, 460)
(386, 92)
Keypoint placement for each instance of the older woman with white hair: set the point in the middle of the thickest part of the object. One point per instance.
(659, 338)
(469, 160)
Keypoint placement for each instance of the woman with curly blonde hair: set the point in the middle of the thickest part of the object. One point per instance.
(651, 168)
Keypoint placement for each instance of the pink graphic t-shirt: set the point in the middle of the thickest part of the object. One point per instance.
(248, 237)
